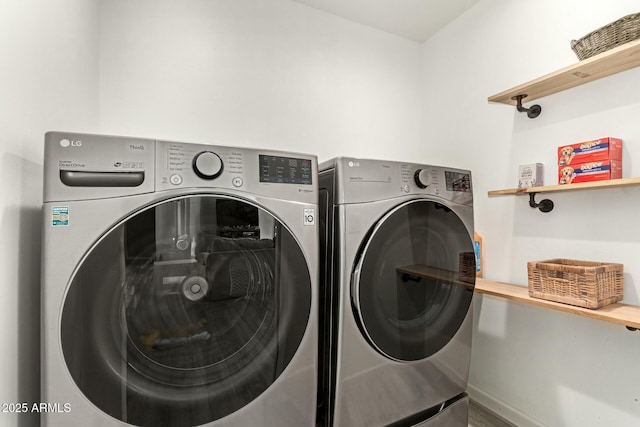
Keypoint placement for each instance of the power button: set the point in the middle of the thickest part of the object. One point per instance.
(175, 179)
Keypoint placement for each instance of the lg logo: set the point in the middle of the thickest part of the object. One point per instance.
(64, 143)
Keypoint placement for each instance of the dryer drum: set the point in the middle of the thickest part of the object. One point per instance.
(412, 316)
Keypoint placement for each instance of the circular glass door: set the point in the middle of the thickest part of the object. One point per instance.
(414, 279)
(186, 311)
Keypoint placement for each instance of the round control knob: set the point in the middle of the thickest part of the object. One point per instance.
(421, 177)
(207, 165)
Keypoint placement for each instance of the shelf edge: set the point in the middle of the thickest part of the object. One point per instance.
(576, 70)
(621, 314)
(612, 183)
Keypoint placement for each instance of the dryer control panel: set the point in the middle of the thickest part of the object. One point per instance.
(364, 180)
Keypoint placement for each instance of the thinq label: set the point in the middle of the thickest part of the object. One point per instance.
(60, 216)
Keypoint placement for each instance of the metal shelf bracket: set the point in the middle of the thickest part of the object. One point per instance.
(545, 205)
(532, 112)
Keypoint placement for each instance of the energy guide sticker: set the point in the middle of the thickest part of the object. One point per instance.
(60, 216)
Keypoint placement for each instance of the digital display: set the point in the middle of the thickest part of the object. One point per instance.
(457, 181)
(285, 170)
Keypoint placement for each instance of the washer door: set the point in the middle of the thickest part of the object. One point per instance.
(186, 311)
(414, 279)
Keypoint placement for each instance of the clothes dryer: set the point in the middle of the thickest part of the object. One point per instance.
(179, 284)
(398, 274)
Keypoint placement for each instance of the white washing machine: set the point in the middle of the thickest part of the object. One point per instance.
(179, 284)
(397, 281)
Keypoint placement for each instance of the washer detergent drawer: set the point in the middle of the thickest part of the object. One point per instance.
(101, 179)
(77, 164)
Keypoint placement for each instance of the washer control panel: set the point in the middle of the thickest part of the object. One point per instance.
(207, 165)
(421, 178)
(76, 164)
(271, 173)
(195, 165)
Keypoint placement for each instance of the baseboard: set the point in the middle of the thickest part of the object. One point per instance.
(502, 409)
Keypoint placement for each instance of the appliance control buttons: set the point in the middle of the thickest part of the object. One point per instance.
(175, 179)
(406, 188)
(237, 181)
(421, 177)
(207, 165)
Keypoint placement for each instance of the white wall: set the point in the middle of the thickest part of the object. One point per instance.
(48, 80)
(279, 74)
(258, 73)
(536, 366)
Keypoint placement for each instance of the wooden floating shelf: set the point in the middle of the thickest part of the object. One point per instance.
(612, 183)
(622, 314)
(611, 62)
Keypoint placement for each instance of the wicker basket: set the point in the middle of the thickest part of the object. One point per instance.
(582, 283)
(619, 32)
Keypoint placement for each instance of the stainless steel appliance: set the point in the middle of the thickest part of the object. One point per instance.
(397, 281)
(179, 283)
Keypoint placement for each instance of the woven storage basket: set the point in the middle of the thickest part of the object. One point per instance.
(618, 32)
(582, 283)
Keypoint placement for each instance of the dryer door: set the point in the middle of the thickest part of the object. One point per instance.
(186, 311)
(413, 282)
